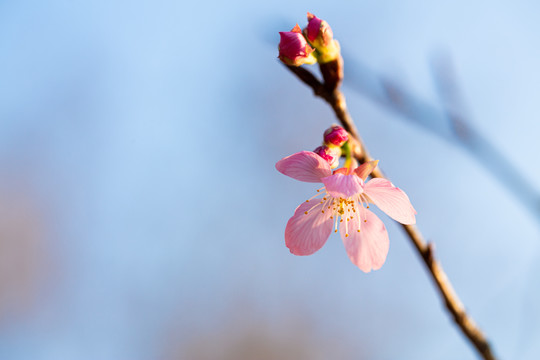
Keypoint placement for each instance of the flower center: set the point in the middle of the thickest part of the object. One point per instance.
(341, 210)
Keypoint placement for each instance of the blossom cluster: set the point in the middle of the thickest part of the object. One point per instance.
(342, 204)
(315, 43)
(334, 138)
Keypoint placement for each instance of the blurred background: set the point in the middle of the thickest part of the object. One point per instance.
(141, 216)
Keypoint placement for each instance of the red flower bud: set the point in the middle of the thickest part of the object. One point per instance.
(330, 154)
(294, 49)
(336, 135)
(320, 36)
(318, 31)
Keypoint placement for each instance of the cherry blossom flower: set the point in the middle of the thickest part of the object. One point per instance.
(342, 204)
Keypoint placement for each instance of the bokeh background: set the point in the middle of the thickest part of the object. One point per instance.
(141, 216)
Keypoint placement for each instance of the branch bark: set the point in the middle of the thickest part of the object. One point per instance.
(466, 324)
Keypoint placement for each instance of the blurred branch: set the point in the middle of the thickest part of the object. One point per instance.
(452, 124)
(336, 100)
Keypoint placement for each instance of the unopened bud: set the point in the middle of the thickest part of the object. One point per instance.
(336, 135)
(294, 49)
(330, 154)
(319, 34)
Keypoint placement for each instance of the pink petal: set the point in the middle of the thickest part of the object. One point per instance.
(368, 248)
(305, 234)
(390, 199)
(293, 47)
(314, 26)
(364, 170)
(291, 44)
(340, 185)
(304, 166)
(344, 171)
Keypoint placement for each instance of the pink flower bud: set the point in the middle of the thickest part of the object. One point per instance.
(318, 31)
(320, 36)
(294, 49)
(336, 135)
(330, 154)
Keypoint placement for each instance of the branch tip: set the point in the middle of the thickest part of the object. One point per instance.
(335, 98)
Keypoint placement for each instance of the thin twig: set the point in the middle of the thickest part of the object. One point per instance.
(336, 100)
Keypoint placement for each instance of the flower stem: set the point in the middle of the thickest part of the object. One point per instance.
(346, 149)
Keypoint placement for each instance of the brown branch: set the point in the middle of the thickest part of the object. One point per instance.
(336, 100)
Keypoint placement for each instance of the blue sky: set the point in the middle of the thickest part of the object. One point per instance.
(138, 139)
